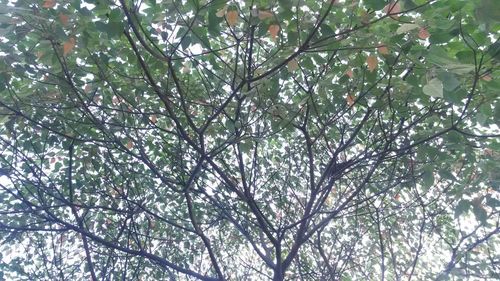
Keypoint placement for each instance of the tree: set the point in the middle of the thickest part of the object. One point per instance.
(249, 140)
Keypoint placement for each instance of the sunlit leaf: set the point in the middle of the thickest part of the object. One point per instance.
(221, 12)
(404, 28)
(434, 88)
(153, 118)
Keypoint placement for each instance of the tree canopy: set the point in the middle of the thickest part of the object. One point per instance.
(249, 140)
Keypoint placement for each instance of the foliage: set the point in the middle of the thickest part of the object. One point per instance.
(249, 140)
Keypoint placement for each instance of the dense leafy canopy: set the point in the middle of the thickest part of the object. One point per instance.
(249, 140)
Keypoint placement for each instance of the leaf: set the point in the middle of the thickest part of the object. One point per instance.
(374, 4)
(186, 68)
(434, 88)
(87, 89)
(265, 15)
(428, 177)
(462, 207)
(372, 63)
(423, 33)
(439, 56)
(48, 4)
(350, 100)
(153, 119)
(232, 17)
(221, 12)
(450, 82)
(292, 65)
(393, 9)
(64, 19)
(383, 49)
(480, 213)
(458, 68)
(69, 45)
(130, 144)
(487, 77)
(112, 28)
(274, 29)
(404, 28)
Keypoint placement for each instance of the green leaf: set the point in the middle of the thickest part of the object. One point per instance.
(460, 68)
(113, 29)
(450, 82)
(428, 177)
(374, 4)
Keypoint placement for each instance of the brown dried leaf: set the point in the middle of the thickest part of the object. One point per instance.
(487, 77)
(265, 15)
(423, 33)
(69, 45)
(49, 4)
(383, 49)
(350, 100)
(349, 73)
(63, 18)
(87, 89)
(153, 119)
(393, 9)
(292, 65)
(372, 63)
(274, 29)
(232, 17)
(130, 144)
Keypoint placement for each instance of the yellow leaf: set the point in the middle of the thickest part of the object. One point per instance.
(423, 33)
(232, 17)
(265, 15)
(372, 62)
(48, 4)
(350, 100)
(292, 65)
(349, 73)
(274, 29)
(68, 46)
(383, 49)
(63, 18)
